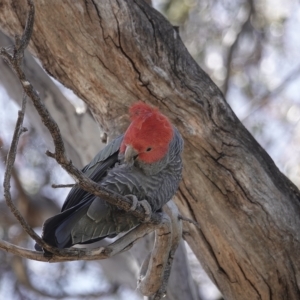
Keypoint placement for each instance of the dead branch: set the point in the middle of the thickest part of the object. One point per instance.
(233, 47)
(156, 268)
(58, 186)
(155, 265)
(120, 245)
(183, 218)
(77, 141)
(260, 102)
(8, 172)
(172, 211)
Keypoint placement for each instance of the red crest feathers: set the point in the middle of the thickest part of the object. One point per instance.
(140, 112)
(149, 129)
(141, 109)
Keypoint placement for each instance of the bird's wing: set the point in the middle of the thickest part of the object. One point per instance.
(95, 170)
(56, 230)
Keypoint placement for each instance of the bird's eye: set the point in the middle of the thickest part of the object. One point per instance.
(148, 149)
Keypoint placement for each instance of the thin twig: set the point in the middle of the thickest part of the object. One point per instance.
(15, 61)
(59, 186)
(11, 156)
(263, 100)
(189, 220)
(22, 43)
(63, 295)
(234, 45)
(120, 245)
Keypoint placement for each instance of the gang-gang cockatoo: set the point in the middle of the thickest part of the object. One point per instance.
(145, 162)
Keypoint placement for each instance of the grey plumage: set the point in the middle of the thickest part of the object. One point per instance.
(86, 218)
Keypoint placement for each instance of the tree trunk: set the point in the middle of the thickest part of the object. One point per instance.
(112, 53)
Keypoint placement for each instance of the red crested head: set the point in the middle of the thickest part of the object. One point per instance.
(149, 133)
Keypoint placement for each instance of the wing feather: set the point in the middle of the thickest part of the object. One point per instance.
(95, 170)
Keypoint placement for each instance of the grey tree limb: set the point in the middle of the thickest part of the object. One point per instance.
(122, 244)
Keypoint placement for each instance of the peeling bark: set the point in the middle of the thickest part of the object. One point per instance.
(112, 53)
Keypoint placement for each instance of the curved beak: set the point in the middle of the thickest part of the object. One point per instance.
(130, 154)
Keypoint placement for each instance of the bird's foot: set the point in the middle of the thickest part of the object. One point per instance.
(147, 208)
(134, 202)
(144, 203)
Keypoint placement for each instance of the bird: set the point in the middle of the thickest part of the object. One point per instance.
(143, 164)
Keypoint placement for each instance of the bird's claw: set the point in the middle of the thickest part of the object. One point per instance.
(144, 203)
(147, 208)
(134, 202)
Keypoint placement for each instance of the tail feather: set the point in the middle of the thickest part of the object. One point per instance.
(57, 230)
(87, 222)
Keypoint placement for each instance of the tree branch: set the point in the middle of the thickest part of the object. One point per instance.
(156, 268)
(58, 186)
(231, 50)
(80, 132)
(176, 231)
(8, 171)
(120, 245)
(183, 218)
(261, 101)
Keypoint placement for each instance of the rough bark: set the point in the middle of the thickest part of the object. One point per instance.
(112, 53)
(181, 284)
